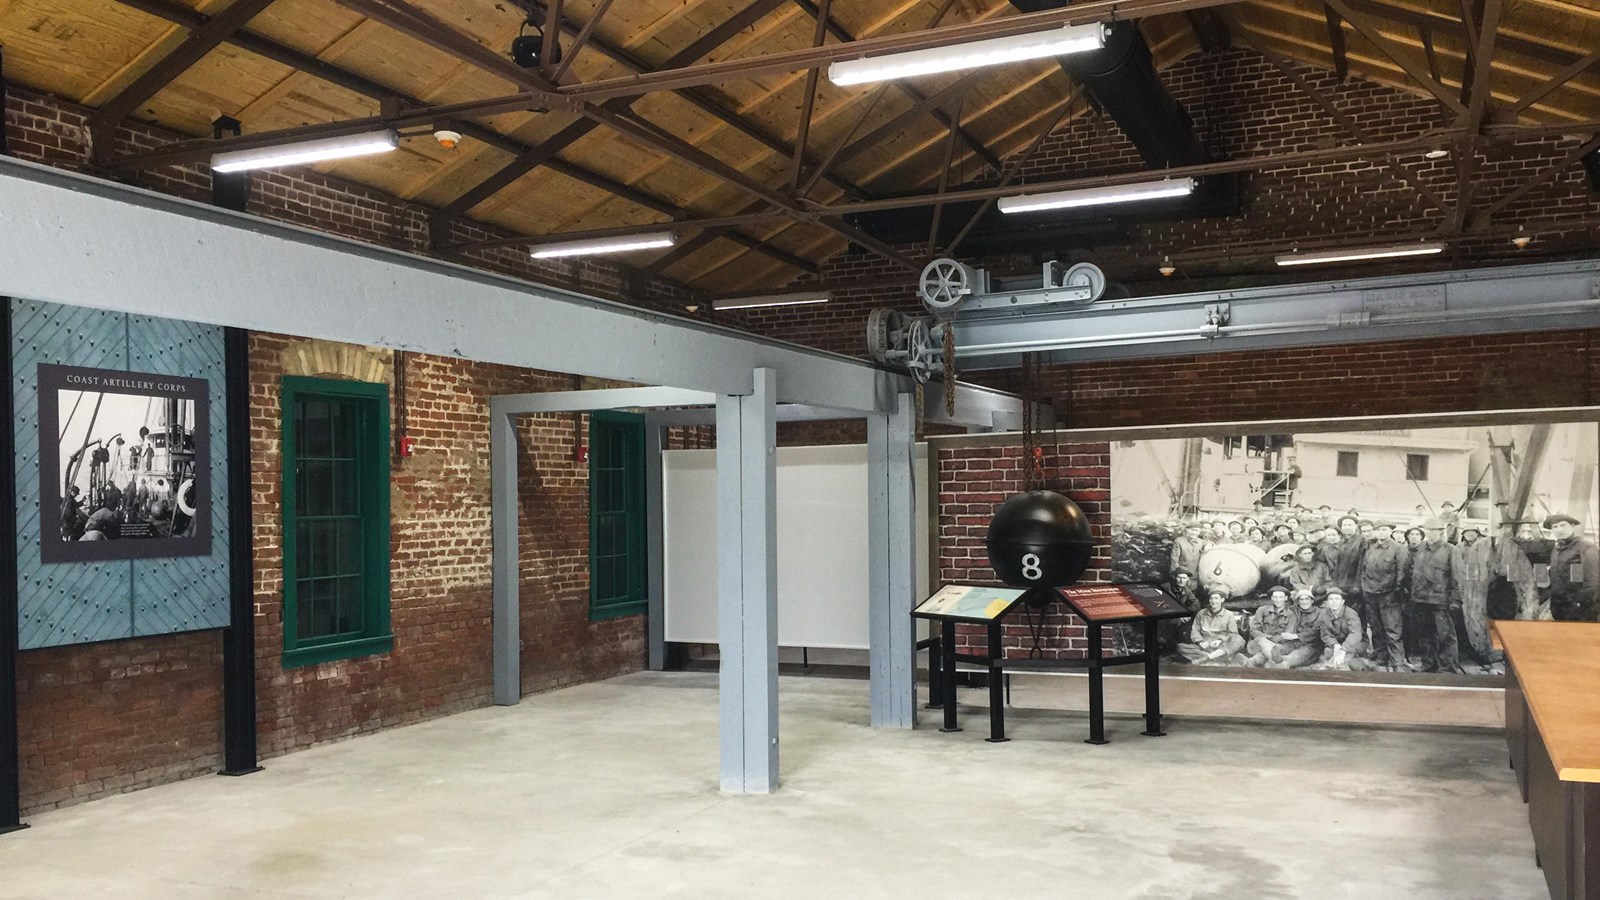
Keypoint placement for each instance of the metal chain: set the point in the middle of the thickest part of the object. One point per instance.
(950, 367)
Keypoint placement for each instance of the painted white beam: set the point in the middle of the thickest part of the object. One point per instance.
(71, 239)
(608, 398)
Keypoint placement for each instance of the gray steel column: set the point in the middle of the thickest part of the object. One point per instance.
(507, 605)
(891, 555)
(655, 438)
(747, 586)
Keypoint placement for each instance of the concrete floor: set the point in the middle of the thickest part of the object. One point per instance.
(609, 790)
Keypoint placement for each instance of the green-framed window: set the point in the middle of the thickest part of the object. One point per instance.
(616, 515)
(335, 520)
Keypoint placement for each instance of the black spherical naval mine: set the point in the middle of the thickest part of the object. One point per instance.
(1039, 539)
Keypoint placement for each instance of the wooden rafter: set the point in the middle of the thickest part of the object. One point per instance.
(1555, 82)
(1477, 97)
(910, 90)
(1366, 29)
(1341, 59)
(527, 162)
(202, 40)
(809, 100)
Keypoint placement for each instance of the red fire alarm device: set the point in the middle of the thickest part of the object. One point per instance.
(582, 454)
(407, 445)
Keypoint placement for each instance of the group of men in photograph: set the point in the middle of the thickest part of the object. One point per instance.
(1357, 586)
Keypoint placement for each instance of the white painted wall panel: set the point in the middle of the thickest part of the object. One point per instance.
(822, 545)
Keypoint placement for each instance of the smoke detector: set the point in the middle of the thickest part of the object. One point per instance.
(447, 139)
(1437, 153)
(1167, 268)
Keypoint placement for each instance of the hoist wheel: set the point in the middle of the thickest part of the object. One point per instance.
(1086, 275)
(944, 284)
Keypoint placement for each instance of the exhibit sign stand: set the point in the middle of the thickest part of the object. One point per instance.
(957, 604)
(1123, 604)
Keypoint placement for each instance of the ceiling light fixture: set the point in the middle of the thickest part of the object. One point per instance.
(1167, 269)
(1438, 153)
(1522, 238)
(1099, 196)
(971, 55)
(1354, 253)
(306, 151)
(772, 300)
(606, 245)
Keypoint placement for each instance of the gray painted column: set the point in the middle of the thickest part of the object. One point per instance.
(507, 605)
(655, 548)
(891, 556)
(747, 586)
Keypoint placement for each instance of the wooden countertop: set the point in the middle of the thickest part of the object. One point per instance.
(1558, 664)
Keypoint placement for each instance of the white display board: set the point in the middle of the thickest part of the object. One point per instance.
(822, 544)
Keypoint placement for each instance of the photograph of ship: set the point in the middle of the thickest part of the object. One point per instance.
(1387, 551)
(123, 464)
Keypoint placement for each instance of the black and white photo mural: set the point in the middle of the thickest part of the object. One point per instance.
(1387, 551)
(126, 477)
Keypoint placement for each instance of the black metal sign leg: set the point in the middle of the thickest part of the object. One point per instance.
(947, 647)
(997, 689)
(1097, 690)
(935, 673)
(1152, 682)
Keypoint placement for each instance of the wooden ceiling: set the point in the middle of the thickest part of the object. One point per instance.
(299, 62)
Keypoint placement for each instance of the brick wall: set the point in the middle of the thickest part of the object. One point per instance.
(105, 718)
(974, 477)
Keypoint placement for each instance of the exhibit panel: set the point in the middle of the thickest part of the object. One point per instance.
(823, 575)
(1425, 535)
(122, 508)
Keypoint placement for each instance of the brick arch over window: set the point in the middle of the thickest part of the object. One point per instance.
(348, 362)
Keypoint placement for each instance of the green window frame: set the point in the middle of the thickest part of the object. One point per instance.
(616, 515)
(335, 508)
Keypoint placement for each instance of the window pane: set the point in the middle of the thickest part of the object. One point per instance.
(346, 500)
(1348, 463)
(317, 430)
(346, 420)
(350, 549)
(317, 478)
(1417, 466)
(321, 558)
(349, 604)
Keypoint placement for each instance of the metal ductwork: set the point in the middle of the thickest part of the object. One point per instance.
(1121, 80)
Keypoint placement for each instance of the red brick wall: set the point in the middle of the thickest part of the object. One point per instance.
(100, 719)
(973, 480)
(105, 718)
(1507, 371)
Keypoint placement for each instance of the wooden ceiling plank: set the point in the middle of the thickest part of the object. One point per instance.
(330, 54)
(537, 156)
(127, 72)
(580, 40)
(1364, 27)
(823, 18)
(202, 40)
(707, 102)
(1556, 82)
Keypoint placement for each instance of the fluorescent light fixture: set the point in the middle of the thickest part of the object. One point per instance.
(1354, 253)
(772, 300)
(1098, 196)
(305, 152)
(992, 52)
(593, 246)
